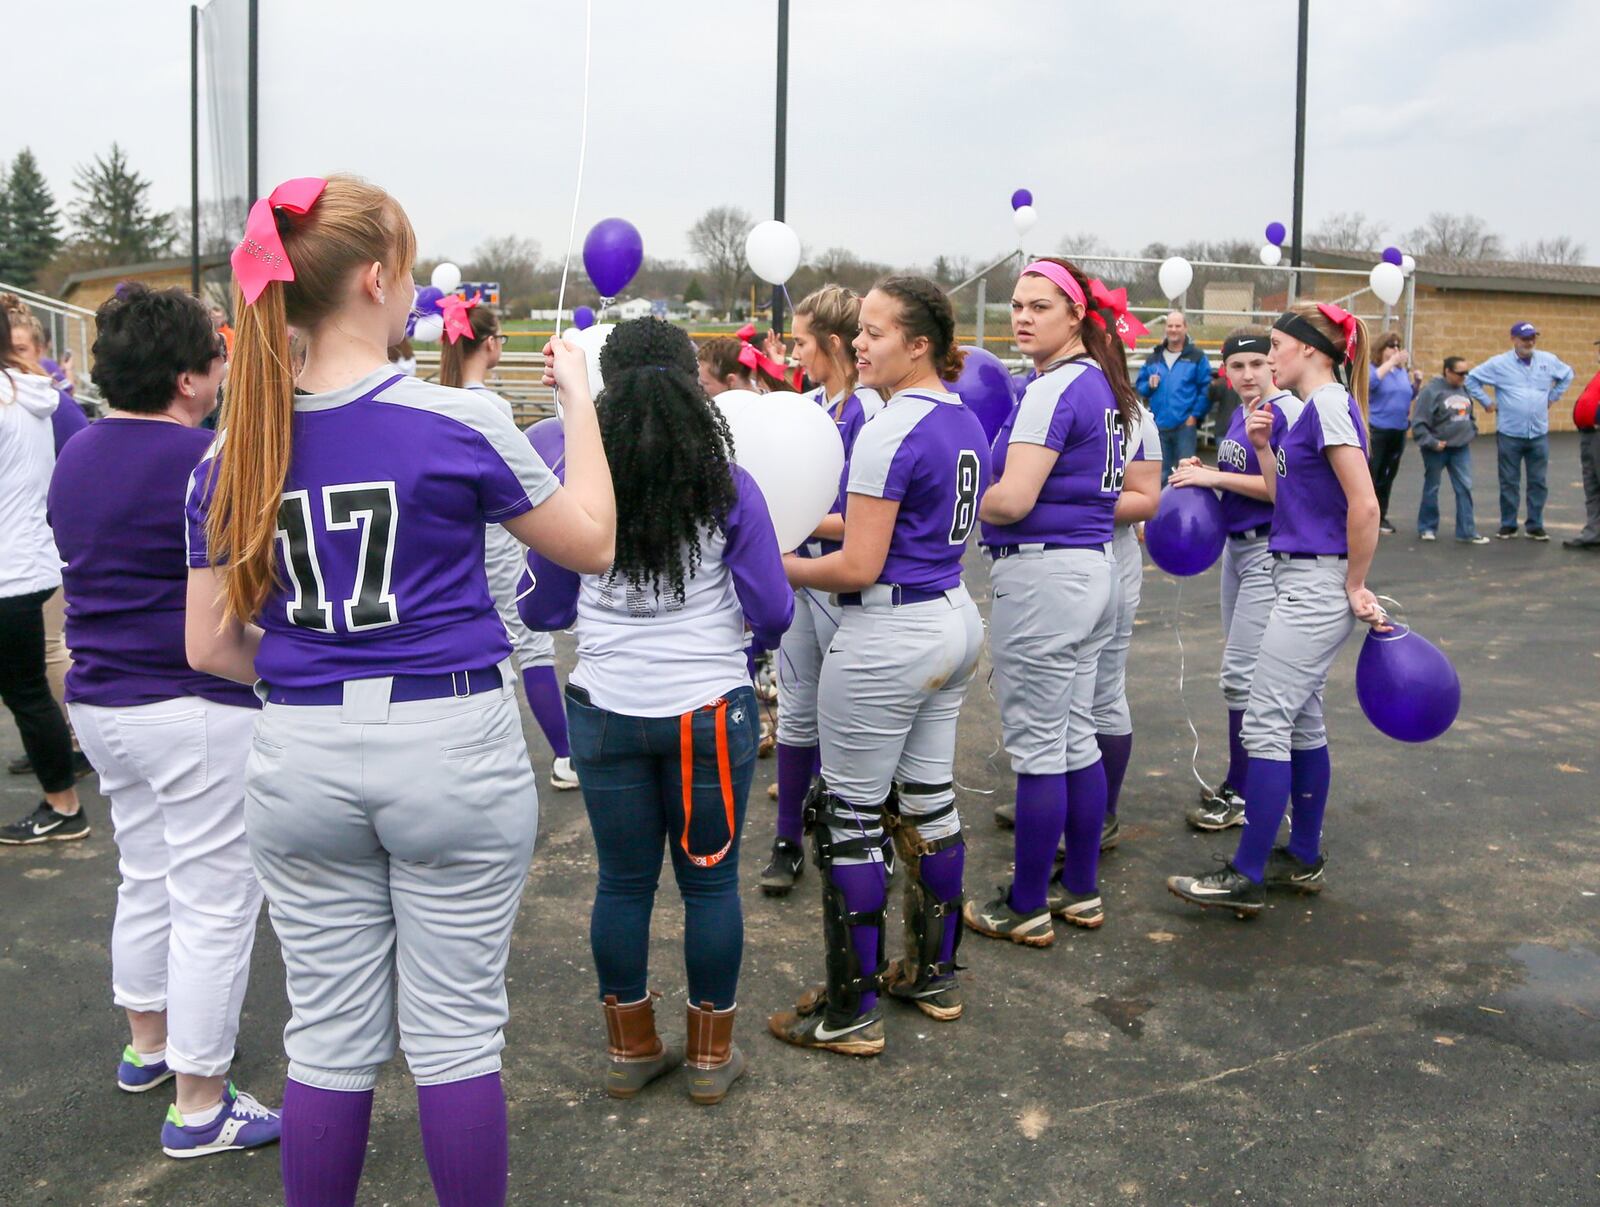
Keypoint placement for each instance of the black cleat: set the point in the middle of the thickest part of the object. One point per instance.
(787, 864)
(1287, 872)
(1110, 834)
(1005, 816)
(1224, 888)
(1538, 534)
(1221, 811)
(44, 824)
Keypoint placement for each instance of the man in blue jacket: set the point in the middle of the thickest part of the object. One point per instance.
(1526, 382)
(1173, 381)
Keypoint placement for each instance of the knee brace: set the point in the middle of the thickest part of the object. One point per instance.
(847, 980)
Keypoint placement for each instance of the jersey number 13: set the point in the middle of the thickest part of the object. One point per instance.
(368, 507)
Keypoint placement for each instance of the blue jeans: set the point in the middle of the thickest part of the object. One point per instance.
(1514, 450)
(632, 772)
(1459, 462)
(1176, 444)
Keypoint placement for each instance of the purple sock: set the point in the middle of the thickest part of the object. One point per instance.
(464, 1140)
(1115, 751)
(865, 887)
(794, 778)
(1086, 817)
(941, 876)
(324, 1144)
(1238, 756)
(1266, 800)
(1041, 814)
(1309, 776)
(544, 699)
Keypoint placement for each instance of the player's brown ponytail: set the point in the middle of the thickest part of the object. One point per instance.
(834, 310)
(453, 356)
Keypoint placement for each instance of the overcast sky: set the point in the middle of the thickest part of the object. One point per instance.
(910, 121)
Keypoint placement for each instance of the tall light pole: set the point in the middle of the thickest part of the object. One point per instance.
(780, 145)
(194, 149)
(1300, 141)
(254, 45)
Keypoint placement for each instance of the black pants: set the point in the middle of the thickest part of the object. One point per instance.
(26, 690)
(1387, 448)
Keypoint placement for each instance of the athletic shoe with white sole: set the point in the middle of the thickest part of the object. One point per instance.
(997, 920)
(940, 999)
(1005, 815)
(1427, 536)
(1080, 909)
(1222, 811)
(136, 1076)
(786, 866)
(1473, 540)
(1110, 833)
(1224, 888)
(806, 1026)
(241, 1123)
(44, 824)
(562, 777)
(1286, 871)
(1538, 534)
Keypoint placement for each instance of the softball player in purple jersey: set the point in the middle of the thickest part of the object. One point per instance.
(826, 323)
(337, 554)
(168, 742)
(1324, 532)
(471, 349)
(1247, 592)
(1048, 525)
(894, 677)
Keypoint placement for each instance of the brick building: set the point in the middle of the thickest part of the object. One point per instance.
(1466, 308)
(89, 289)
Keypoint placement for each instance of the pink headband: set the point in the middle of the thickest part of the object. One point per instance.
(1060, 278)
(1113, 300)
(260, 257)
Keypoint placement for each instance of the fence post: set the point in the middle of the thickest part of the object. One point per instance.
(983, 305)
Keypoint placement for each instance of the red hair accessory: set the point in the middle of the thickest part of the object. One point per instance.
(1116, 301)
(260, 258)
(752, 357)
(454, 307)
(1345, 321)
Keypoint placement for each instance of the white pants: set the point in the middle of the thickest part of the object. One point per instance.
(1111, 715)
(1309, 622)
(1247, 599)
(187, 904)
(816, 620)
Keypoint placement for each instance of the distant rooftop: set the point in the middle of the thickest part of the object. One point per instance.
(1500, 276)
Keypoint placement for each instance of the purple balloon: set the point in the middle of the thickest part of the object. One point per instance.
(1406, 685)
(1019, 382)
(1021, 198)
(1276, 233)
(985, 386)
(549, 440)
(612, 253)
(427, 301)
(583, 318)
(1188, 532)
(1392, 255)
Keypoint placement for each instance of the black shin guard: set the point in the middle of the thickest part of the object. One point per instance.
(846, 979)
(926, 916)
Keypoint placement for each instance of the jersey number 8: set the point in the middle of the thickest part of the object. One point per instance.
(965, 518)
(367, 506)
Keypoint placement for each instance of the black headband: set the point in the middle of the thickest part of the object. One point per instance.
(1235, 344)
(1302, 329)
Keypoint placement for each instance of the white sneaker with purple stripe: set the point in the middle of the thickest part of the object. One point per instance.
(241, 1123)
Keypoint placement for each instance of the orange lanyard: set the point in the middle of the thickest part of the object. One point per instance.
(686, 750)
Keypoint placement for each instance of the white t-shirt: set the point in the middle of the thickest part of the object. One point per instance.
(28, 558)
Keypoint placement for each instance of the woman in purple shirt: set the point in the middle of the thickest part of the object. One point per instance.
(1324, 533)
(894, 678)
(168, 742)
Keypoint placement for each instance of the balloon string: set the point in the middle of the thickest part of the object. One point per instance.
(583, 148)
(1194, 757)
(1398, 607)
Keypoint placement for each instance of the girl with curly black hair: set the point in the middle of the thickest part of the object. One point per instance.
(663, 719)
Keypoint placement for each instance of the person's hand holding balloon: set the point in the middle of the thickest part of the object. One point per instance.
(1364, 604)
(1191, 471)
(567, 369)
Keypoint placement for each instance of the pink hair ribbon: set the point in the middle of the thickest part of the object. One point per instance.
(752, 357)
(1345, 321)
(260, 257)
(457, 324)
(1116, 302)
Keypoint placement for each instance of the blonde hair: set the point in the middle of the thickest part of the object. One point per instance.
(1354, 369)
(453, 356)
(352, 224)
(834, 310)
(19, 316)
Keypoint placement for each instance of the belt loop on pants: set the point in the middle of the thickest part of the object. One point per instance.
(724, 773)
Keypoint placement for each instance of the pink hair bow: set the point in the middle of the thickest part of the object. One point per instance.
(454, 307)
(752, 357)
(260, 258)
(1116, 301)
(1345, 321)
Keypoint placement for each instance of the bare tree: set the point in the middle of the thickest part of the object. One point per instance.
(1347, 230)
(1460, 236)
(1562, 249)
(513, 261)
(717, 240)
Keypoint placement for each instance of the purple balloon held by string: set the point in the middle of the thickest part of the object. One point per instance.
(1406, 685)
(1187, 534)
(612, 253)
(1276, 233)
(1021, 198)
(583, 318)
(985, 387)
(549, 440)
(1391, 255)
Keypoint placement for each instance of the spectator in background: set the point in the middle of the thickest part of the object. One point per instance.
(1225, 401)
(1444, 429)
(60, 370)
(1173, 381)
(1526, 381)
(1583, 417)
(1390, 388)
(219, 324)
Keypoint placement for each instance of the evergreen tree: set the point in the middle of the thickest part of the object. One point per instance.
(30, 226)
(112, 216)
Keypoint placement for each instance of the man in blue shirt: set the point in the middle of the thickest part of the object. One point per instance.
(1173, 381)
(1526, 382)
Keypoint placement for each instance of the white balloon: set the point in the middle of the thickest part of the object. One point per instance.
(1174, 276)
(1408, 265)
(773, 251)
(447, 277)
(791, 447)
(1024, 216)
(591, 339)
(1388, 282)
(428, 329)
(570, 334)
(1271, 255)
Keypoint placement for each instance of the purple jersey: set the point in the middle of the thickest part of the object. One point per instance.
(380, 542)
(1311, 511)
(1236, 455)
(118, 521)
(68, 420)
(1071, 410)
(927, 451)
(848, 413)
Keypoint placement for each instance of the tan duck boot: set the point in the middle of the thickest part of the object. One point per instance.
(636, 1054)
(714, 1061)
